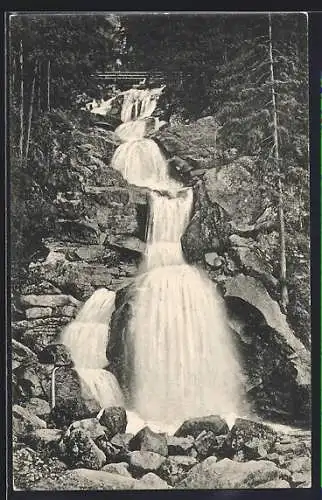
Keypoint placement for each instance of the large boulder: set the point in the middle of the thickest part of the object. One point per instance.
(89, 425)
(194, 145)
(142, 462)
(77, 449)
(20, 353)
(174, 469)
(228, 474)
(276, 362)
(233, 188)
(44, 440)
(207, 229)
(151, 481)
(250, 440)
(147, 440)
(251, 260)
(32, 380)
(39, 407)
(29, 467)
(121, 468)
(56, 354)
(195, 426)
(114, 420)
(24, 422)
(73, 400)
(180, 445)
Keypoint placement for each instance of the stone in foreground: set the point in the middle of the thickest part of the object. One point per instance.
(142, 462)
(228, 474)
(195, 426)
(147, 440)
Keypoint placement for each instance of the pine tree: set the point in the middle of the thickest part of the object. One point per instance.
(260, 101)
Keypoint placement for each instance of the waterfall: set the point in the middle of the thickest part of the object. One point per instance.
(86, 337)
(184, 361)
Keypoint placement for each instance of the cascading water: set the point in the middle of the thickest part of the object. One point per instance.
(86, 337)
(184, 363)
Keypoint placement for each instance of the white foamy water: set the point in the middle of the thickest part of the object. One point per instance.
(142, 163)
(184, 361)
(86, 337)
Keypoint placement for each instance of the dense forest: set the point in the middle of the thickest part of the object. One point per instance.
(248, 72)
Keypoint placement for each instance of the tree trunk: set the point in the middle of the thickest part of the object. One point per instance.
(48, 86)
(39, 88)
(13, 77)
(31, 106)
(284, 291)
(21, 140)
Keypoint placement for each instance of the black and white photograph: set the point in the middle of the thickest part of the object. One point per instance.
(159, 250)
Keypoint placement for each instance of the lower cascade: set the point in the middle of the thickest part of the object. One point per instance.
(86, 337)
(178, 346)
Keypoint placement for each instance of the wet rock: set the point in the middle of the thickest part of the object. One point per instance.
(151, 481)
(85, 479)
(195, 426)
(207, 230)
(77, 449)
(175, 468)
(44, 439)
(24, 422)
(48, 300)
(180, 445)
(114, 420)
(205, 444)
(73, 400)
(142, 462)
(250, 440)
(56, 354)
(38, 407)
(147, 440)
(229, 474)
(121, 468)
(89, 425)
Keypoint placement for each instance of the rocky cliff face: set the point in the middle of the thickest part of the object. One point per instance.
(99, 238)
